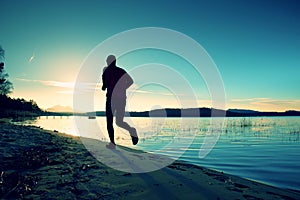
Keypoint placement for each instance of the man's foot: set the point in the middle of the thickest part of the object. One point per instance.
(111, 145)
(134, 137)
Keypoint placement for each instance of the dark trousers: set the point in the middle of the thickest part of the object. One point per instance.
(117, 106)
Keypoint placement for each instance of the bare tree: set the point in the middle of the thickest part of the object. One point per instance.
(2, 53)
(6, 87)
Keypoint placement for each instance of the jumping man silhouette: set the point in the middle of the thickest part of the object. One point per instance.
(116, 81)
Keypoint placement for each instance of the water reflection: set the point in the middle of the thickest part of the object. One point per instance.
(153, 131)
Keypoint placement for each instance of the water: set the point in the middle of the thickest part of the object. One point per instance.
(264, 149)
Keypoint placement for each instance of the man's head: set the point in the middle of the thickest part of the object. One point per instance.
(111, 60)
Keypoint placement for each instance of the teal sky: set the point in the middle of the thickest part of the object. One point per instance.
(255, 45)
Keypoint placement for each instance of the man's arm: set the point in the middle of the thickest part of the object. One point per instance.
(104, 86)
(129, 81)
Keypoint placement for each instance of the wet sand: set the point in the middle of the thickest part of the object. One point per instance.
(40, 164)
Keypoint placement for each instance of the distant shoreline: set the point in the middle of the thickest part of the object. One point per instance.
(168, 112)
(189, 112)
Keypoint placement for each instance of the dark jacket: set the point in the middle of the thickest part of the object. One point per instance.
(116, 81)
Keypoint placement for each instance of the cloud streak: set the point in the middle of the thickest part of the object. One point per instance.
(87, 87)
(261, 101)
(31, 58)
(49, 83)
(267, 104)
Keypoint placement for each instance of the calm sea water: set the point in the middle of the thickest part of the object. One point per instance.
(264, 149)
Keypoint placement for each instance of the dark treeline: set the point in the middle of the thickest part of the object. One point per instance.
(212, 112)
(10, 107)
(209, 112)
(201, 112)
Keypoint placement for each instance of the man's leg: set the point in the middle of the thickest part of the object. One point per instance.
(120, 112)
(109, 120)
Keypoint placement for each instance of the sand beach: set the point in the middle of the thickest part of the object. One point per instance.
(41, 164)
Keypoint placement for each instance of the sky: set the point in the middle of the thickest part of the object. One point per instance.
(255, 46)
